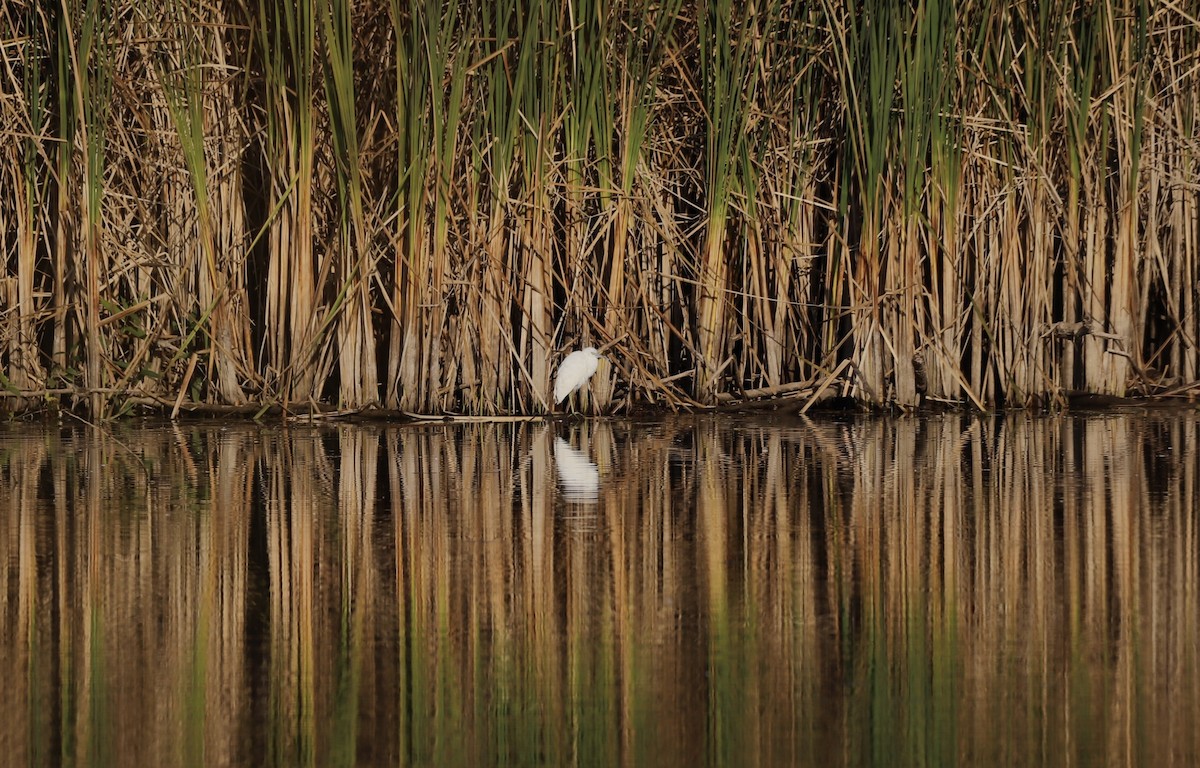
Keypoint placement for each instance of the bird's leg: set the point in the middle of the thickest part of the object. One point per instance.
(573, 410)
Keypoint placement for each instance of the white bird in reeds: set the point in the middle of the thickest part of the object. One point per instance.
(574, 372)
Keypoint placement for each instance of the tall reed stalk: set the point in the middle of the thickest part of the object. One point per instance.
(868, 51)
(24, 172)
(91, 71)
(588, 183)
(728, 38)
(538, 97)
(354, 254)
(190, 51)
(286, 41)
(427, 58)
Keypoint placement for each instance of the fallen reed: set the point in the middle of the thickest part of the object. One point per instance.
(424, 205)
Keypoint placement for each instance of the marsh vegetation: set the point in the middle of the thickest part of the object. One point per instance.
(423, 204)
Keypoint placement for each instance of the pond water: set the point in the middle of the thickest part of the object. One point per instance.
(957, 589)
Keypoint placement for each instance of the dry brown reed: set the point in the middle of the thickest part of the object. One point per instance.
(424, 205)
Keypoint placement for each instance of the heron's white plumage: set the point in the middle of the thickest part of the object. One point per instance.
(576, 369)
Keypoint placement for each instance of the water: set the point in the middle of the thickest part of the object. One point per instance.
(956, 589)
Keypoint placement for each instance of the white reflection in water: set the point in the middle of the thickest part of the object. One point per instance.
(578, 476)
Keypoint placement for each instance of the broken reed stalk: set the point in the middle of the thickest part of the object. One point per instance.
(427, 204)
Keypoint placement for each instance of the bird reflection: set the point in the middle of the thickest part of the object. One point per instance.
(578, 476)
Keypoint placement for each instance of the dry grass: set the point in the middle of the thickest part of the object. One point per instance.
(425, 205)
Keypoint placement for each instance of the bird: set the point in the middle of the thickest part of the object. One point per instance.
(574, 371)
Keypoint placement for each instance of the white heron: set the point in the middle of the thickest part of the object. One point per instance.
(574, 371)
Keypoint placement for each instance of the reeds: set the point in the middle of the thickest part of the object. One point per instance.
(425, 205)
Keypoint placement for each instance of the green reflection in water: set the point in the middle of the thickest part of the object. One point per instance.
(948, 590)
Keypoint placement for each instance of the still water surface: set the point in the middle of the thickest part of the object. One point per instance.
(951, 590)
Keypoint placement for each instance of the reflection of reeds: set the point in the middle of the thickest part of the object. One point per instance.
(971, 589)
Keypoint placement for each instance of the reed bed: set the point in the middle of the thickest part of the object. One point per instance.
(424, 205)
(978, 590)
